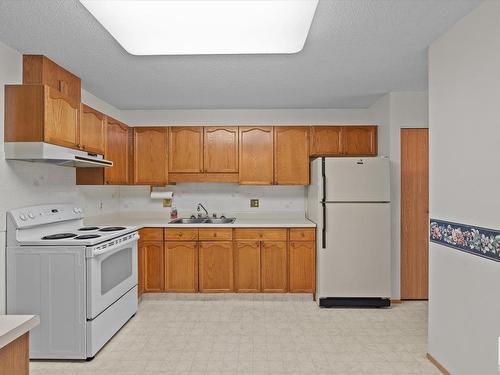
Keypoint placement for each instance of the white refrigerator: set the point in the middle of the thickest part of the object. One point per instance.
(349, 200)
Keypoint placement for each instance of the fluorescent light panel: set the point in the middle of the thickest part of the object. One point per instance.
(199, 27)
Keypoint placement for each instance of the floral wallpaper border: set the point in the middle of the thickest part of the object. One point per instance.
(471, 239)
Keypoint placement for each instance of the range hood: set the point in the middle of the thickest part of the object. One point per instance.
(47, 153)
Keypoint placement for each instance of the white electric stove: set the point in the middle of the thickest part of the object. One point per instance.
(81, 280)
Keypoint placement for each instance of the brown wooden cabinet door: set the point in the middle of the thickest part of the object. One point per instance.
(181, 267)
(274, 266)
(359, 140)
(256, 155)
(302, 267)
(92, 130)
(247, 266)
(216, 266)
(61, 119)
(185, 149)
(140, 270)
(150, 155)
(117, 152)
(220, 149)
(291, 155)
(325, 140)
(153, 266)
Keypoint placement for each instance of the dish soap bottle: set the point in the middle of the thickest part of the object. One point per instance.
(173, 213)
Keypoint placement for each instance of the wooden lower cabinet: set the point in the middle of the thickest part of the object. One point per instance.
(153, 265)
(181, 267)
(247, 267)
(216, 266)
(14, 357)
(140, 271)
(302, 267)
(274, 267)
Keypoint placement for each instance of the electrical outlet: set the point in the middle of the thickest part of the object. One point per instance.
(167, 203)
(254, 203)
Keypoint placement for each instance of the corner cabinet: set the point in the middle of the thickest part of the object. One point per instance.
(291, 155)
(256, 155)
(150, 155)
(92, 130)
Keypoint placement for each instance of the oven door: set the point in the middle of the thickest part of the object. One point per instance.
(111, 272)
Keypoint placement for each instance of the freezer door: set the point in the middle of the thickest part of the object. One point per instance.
(357, 258)
(357, 180)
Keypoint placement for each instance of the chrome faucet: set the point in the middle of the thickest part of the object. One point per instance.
(200, 206)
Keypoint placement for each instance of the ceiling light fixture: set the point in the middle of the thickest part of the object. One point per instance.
(201, 27)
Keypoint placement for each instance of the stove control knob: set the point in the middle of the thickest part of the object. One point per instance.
(31, 215)
(23, 217)
(76, 210)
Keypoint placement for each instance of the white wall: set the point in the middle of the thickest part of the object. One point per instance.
(464, 105)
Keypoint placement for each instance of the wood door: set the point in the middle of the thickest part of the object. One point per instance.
(359, 140)
(181, 267)
(216, 266)
(274, 266)
(185, 149)
(117, 152)
(92, 130)
(247, 266)
(291, 155)
(302, 267)
(61, 119)
(153, 266)
(220, 149)
(325, 140)
(140, 270)
(256, 155)
(150, 155)
(414, 213)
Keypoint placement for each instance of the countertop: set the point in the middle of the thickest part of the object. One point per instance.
(14, 326)
(161, 219)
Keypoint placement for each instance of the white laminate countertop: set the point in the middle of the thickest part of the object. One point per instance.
(161, 219)
(14, 326)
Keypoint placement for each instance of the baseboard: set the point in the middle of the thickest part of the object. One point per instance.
(439, 366)
(396, 301)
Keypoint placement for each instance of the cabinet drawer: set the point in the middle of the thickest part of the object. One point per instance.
(264, 234)
(151, 234)
(187, 234)
(215, 234)
(302, 234)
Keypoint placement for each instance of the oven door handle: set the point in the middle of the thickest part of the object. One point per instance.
(112, 246)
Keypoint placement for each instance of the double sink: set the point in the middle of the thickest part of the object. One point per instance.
(201, 220)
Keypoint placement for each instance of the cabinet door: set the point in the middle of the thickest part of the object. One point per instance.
(117, 152)
(291, 155)
(256, 155)
(153, 266)
(274, 265)
(181, 267)
(302, 267)
(247, 266)
(216, 266)
(140, 270)
(61, 119)
(186, 149)
(359, 140)
(92, 130)
(325, 140)
(150, 156)
(220, 149)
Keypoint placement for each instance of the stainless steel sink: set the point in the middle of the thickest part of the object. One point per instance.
(225, 220)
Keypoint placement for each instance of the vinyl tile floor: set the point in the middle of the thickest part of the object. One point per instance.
(258, 334)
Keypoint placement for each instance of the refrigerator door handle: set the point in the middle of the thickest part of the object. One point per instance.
(323, 177)
(323, 228)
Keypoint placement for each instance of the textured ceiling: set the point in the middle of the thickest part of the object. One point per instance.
(356, 51)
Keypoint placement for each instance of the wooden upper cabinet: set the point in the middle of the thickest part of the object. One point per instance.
(92, 130)
(291, 155)
(359, 140)
(40, 70)
(185, 149)
(325, 140)
(38, 113)
(256, 155)
(117, 150)
(220, 149)
(150, 155)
